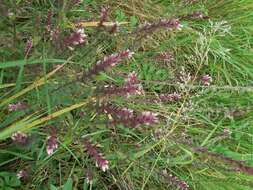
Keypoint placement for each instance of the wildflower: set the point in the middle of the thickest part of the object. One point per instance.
(170, 97)
(180, 184)
(128, 117)
(197, 15)
(165, 57)
(89, 177)
(109, 61)
(76, 2)
(147, 118)
(49, 21)
(103, 16)
(117, 112)
(238, 164)
(22, 174)
(19, 137)
(51, 144)
(55, 34)
(28, 46)
(206, 80)
(93, 152)
(124, 90)
(169, 24)
(185, 77)
(76, 38)
(17, 106)
(114, 28)
(131, 86)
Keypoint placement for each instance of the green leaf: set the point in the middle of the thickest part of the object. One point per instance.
(52, 187)
(133, 21)
(18, 63)
(68, 185)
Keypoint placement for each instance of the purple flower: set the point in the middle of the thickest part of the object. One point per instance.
(22, 174)
(114, 28)
(117, 112)
(180, 184)
(206, 80)
(76, 38)
(93, 152)
(17, 106)
(51, 144)
(103, 16)
(131, 86)
(89, 176)
(170, 97)
(169, 24)
(28, 46)
(128, 117)
(49, 21)
(147, 118)
(131, 79)
(197, 15)
(19, 137)
(109, 61)
(165, 57)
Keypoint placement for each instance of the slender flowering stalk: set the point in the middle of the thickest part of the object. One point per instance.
(19, 137)
(28, 46)
(239, 164)
(93, 152)
(170, 97)
(117, 112)
(52, 144)
(108, 61)
(129, 117)
(198, 15)
(49, 21)
(89, 176)
(76, 38)
(55, 34)
(169, 24)
(147, 118)
(17, 106)
(174, 180)
(206, 80)
(114, 28)
(22, 174)
(103, 16)
(165, 57)
(131, 86)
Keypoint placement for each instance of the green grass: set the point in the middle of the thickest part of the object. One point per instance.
(220, 46)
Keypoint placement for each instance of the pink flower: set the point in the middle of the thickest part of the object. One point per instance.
(117, 112)
(131, 86)
(49, 21)
(147, 118)
(180, 184)
(170, 97)
(22, 174)
(109, 61)
(114, 28)
(169, 24)
(28, 46)
(165, 57)
(93, 152)
(206, 80)
(103, 16)
(76, 38)
(128, 117)
(19, 137)
(51, 144)
(198, 15)
(17, 106)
